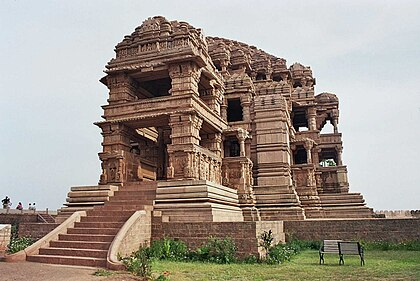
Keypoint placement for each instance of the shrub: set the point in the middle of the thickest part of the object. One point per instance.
(168, 249)
(18, 244)
(281, 253)
(266, 239)
(251, 259)
(413, 245)
(305, 244)
(216, 250)
(139, 263)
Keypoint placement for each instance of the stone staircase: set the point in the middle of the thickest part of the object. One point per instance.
(46, 218)
(344, 205)
(88, 242)
(278, 203)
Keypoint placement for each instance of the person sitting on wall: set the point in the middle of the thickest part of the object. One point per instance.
(32, 207)
(6, 203)
(19, 206)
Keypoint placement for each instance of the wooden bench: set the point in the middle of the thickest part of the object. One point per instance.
(341, 248)
(350, 248)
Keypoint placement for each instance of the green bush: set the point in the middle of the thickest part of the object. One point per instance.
(139, 263)
(18, 244)
(251, 259)
(305, 244)
(413, 245)
(216, 250)
(281, 253)
(168, 249)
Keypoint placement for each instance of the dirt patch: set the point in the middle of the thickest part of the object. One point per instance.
(30, 271)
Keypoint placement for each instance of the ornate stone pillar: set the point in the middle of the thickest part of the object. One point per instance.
(185, 128)
(311, 113)
(242, 135)
(339, 156)
(185, 77)
(246, 103)
(122, 88)
(335, 124)
(223, 110)
(116, 149)
(308, 146)
(215, 143)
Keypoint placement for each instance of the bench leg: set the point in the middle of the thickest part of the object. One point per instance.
(341, 260)
(321, 258)
(362, 260)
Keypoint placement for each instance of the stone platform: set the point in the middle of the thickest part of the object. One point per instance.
(197, 201)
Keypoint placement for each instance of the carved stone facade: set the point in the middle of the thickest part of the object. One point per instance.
(209, 113)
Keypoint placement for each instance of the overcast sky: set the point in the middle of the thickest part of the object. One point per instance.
(52, 54)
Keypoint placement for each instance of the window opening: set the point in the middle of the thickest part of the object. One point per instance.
(297, 84)
(234, 150)
(260, 76)
(300, 122)
(277, 78)
(156, 88)
(300, 156)
(234, 110)
(328, 157)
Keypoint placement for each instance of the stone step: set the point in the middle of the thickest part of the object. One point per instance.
(342, 204)
(138, 202)
(136, 193)
(68, 260)
(137, 197)
(86, 237)
(121, 207)
(103, 219)
(81, 245)
(91, 253)
(105, 231)
(105, 213)
(98, 224)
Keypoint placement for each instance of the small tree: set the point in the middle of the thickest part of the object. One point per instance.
(266, 239)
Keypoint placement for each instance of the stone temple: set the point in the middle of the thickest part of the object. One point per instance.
(228, 131)
(205, 136)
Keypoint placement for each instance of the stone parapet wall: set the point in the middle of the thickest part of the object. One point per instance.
(399, 213)
(36, 230)
(391, 230)
(18, 218)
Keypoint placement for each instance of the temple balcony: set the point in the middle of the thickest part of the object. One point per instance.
(330, 138)
(150, 111)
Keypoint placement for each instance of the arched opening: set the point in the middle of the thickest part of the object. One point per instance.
(260, 76)
(277, 78)
(297, 84)
(327, 128)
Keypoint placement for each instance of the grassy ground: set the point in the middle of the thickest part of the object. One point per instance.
(380, 265)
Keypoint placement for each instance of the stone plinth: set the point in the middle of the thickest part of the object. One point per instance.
(197, 201)
(85, 198)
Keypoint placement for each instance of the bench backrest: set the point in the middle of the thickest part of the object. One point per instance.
(349, 248)
(330, 246)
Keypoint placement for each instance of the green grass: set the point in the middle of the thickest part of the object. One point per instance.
(380, 265)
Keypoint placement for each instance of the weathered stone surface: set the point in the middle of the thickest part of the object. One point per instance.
(187, 107)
